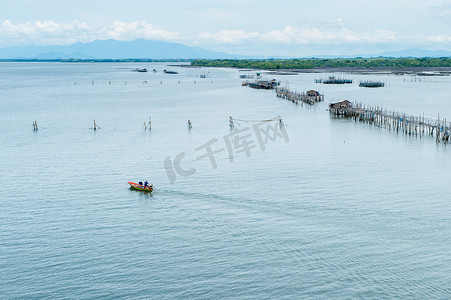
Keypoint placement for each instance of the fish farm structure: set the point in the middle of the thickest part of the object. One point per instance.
(309, 97)
(392, 120)
(333, 80)
(247, 76)
(262, 84)
(371, 84)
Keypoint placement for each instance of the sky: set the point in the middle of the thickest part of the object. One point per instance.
(245, 27)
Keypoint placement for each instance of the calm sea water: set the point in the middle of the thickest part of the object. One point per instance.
(342, 210)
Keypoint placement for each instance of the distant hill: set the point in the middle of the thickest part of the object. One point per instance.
(151, 49)
(113, 49)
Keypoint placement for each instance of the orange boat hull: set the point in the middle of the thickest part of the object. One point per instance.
(138, 187)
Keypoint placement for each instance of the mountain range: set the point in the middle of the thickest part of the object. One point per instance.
(113, 49)
(152, 49)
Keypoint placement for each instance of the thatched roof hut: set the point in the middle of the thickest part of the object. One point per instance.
(312, 93)
(344, 104)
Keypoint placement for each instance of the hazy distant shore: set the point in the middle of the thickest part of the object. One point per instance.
(443, 71)
(93, 60)
(422, 71)
(380, 65)
(418, 70)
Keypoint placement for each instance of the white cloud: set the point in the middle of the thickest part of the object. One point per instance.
(50, 32)
(40, 27)
(443, 11)
(138, 29)
(229, 36)
(441, 38)
(42, 32)
(294, 36)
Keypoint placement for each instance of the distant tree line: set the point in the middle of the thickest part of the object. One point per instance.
(93, 60)
(310, 63)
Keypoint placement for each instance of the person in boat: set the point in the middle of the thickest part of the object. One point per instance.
(146, 184)
(140, 183)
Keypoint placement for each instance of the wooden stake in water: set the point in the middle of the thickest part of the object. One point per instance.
(280, 122)
(95, 126)
(437, 131)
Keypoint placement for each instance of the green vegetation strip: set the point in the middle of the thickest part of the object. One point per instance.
(310, 63)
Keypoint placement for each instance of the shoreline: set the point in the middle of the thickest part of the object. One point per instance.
(420, 71)
(379, 65)
(423, 71)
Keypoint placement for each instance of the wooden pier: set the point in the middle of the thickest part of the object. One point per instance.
(393, 121)
(309, 97)
(262, 84)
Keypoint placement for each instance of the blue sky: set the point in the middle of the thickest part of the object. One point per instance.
(248, 27)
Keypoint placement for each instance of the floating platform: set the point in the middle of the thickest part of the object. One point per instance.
(371, 84)
(333, 80)
(262, 84)
(247, 76)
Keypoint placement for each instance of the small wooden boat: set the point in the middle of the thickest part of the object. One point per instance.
(140, 187)
(140, 70)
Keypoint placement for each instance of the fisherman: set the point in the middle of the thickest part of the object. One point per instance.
(146, 184)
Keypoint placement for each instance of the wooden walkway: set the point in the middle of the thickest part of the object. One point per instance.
(391, 120)
(309, 97)
(394, 121)
(297, 97)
